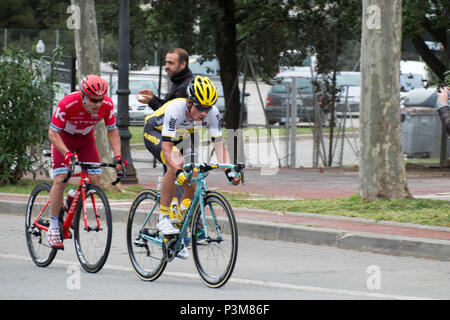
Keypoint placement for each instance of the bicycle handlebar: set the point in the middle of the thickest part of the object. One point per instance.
(87, 165)
(205, 167)
(92, 165)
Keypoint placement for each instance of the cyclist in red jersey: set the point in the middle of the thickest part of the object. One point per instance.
(71, 133)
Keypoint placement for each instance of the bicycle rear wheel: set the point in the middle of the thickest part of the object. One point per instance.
(92, 243)
(214, 240)
(146, 256)
(39, 249)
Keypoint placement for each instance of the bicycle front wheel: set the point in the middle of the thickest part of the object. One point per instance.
(38, 207)
(93, 232)
(214, 240)
(144, 249)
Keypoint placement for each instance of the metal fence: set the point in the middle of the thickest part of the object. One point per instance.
(308, 144)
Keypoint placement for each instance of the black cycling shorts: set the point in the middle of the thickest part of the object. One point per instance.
(153, 142)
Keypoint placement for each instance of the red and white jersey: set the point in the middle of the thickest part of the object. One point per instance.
(71, 116)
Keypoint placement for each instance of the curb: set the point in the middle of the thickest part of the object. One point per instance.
(351, 240)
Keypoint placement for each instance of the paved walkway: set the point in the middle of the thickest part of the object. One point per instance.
(287, 183)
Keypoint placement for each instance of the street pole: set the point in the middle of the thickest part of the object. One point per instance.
(123, 119)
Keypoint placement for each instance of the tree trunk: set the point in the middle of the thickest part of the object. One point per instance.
(382, 173)
(88, 57)
(226, 51)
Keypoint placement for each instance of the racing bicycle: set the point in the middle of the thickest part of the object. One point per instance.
(213, 230)
(88, 216)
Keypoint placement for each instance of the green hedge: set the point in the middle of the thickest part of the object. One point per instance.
(25, 110)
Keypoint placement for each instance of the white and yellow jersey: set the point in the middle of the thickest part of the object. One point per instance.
(172, 122)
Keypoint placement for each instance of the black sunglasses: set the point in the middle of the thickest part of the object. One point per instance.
(202, 108)
(96, 100)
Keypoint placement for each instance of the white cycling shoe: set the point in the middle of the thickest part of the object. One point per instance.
(183, 253)
(166, 228)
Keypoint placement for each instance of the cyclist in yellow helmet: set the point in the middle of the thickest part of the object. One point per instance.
(168, 126)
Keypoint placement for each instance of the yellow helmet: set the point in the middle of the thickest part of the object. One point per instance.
(202, 91)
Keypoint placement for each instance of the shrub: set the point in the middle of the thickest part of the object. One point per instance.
(25, 110)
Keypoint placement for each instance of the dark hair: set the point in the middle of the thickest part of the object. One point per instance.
(182, 55)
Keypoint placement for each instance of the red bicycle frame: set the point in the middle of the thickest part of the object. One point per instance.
(81, 191)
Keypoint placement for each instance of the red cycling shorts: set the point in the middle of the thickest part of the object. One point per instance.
(83, 145)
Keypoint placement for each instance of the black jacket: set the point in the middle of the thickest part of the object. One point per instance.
(180, 82)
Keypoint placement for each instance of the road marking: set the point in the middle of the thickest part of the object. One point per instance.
(268, 284)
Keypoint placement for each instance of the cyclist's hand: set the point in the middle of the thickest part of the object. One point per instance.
(120, 163)
(67, 158)
(181, 177)
(232, 177)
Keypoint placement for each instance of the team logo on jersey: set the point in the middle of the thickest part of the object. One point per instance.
(172, 124)
(59, 114)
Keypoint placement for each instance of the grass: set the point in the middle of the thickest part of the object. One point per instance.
(417, 211)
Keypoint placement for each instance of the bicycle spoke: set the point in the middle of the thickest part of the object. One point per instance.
(215, 242)
(93, 230)
(37, 221)
(144, 248)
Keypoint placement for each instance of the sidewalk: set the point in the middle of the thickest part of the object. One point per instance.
(287, 183)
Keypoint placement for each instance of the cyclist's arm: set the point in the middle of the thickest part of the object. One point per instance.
(114, 141)
(57, 141)
(215, 132)
(167, 150)
(224, 157)
(221, 152)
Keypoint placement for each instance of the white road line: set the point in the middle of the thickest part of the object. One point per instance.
(268, 284)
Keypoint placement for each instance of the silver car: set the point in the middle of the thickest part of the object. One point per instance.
(277, 99)
(137, 111)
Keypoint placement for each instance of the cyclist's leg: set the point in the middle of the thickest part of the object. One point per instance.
(168, 186)
(153, 143)
(59, 171)
(88, 152)
(188, 150)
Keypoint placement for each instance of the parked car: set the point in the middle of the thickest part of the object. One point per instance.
(277, 99)
(349, 84)
(137, 111)
(421, 97)
(411, 82)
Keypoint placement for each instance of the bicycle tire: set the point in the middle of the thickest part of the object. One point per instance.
(216, 256)
(39, 249)
(92, 245)
(146, 257)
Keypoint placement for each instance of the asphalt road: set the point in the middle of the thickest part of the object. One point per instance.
(265, 270)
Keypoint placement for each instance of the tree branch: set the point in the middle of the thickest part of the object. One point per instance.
(438, 33)
(428, 56)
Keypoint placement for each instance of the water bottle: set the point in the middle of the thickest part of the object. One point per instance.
(184, 207)
(69, 199)
(173, 210)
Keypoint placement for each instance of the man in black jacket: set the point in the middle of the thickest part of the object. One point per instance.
(443, 108)
(177, 61)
